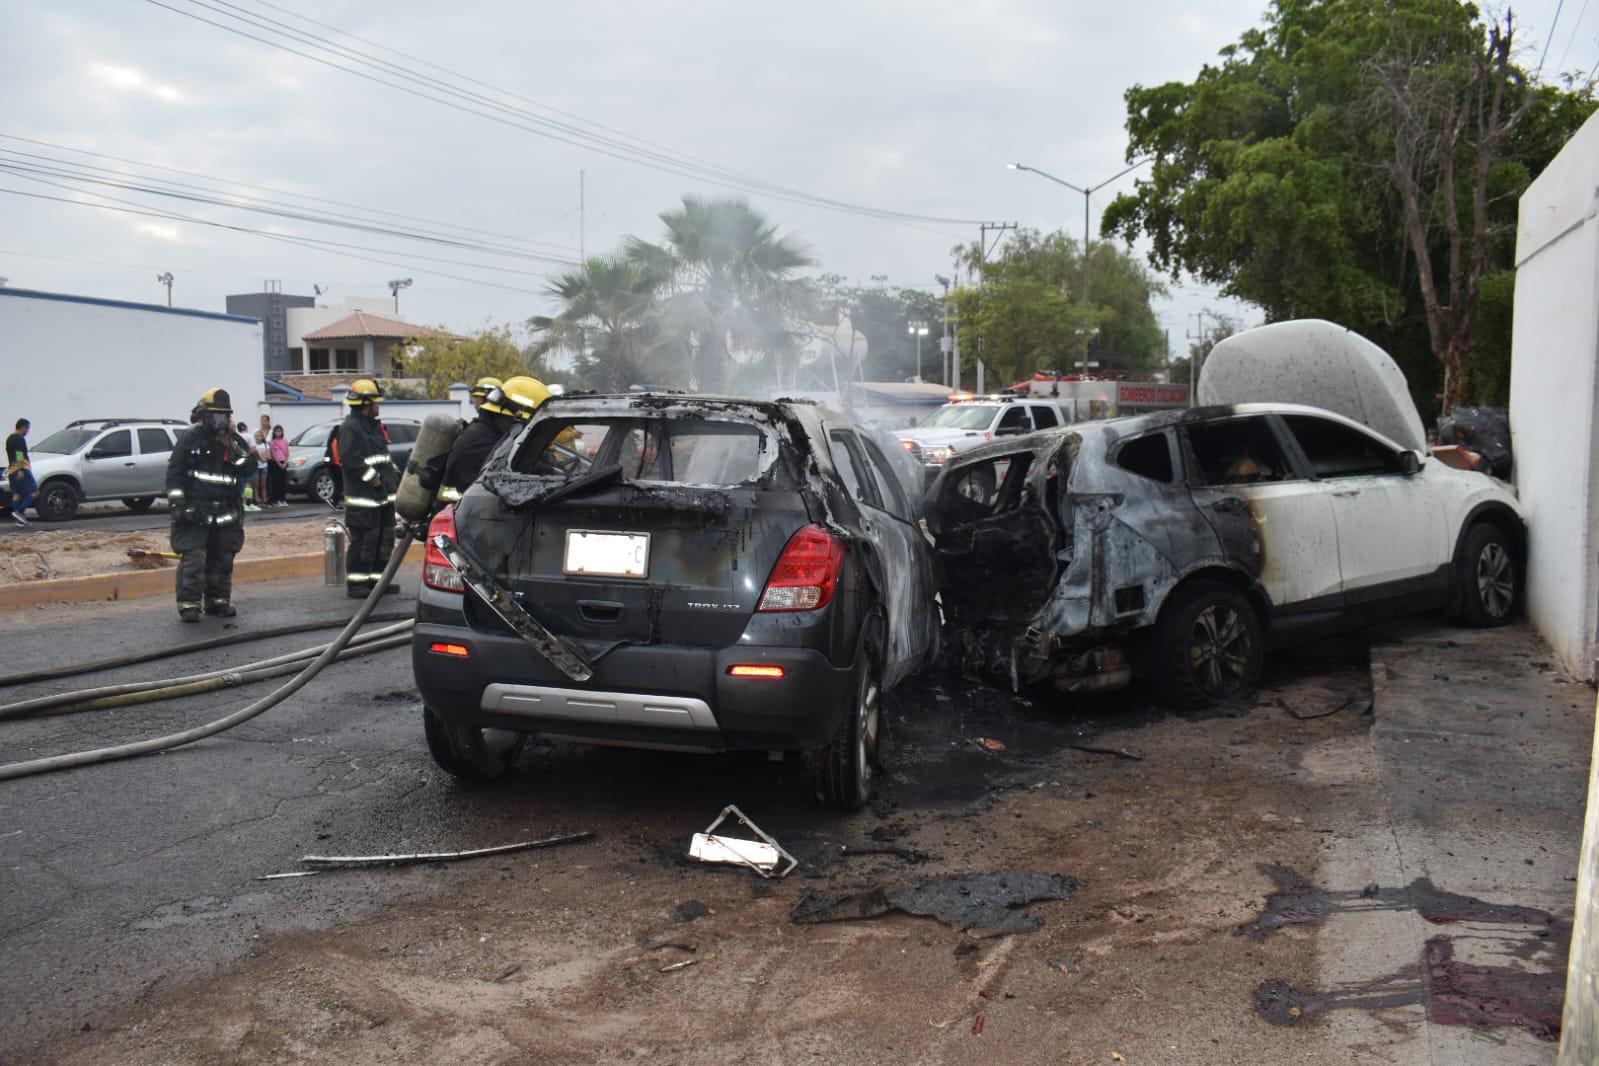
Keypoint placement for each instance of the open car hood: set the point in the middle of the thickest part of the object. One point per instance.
(1319, 364)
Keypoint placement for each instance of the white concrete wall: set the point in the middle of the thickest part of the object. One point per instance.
(66, 358)
(1554, 395)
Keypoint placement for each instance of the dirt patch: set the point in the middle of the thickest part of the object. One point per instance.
(82, 553)
(574, 958)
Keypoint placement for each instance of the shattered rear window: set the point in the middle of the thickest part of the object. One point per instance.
(684, 451)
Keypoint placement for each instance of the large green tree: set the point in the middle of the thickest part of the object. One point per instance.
(731, 283)
(1024, 308)
(1355, 160)
(442, 359)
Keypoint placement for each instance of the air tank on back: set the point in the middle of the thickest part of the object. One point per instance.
(425, 470)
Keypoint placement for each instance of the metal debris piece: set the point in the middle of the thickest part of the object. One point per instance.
(513, 970)
(337, 862)
(680, 965)
(1120, 753)
(991, 744)
(296, 873)
(478, 578)
(763, 855)
(1360, 704)
(657, 943)
(689, 910)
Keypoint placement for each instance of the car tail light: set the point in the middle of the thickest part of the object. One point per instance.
(460, 651)
(755, 670)
(805, 573)
(437, 573)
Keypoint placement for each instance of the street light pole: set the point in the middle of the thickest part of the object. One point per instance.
(918, 329)
(395, 286)
(166, 279)
(1088, 192)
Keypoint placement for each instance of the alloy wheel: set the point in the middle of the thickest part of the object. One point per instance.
(1496, 579)
(1219, 649)
(868, 723)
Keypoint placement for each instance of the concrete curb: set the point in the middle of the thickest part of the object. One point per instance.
(142, 583)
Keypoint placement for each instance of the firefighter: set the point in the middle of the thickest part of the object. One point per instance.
(479, 392)
(370, 481)
(505, 409)
(204, 473)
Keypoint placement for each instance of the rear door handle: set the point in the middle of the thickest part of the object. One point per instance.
(129, 464)
(600, 611)
(1346, 492)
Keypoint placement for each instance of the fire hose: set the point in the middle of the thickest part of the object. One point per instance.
(106, 697)
(329, 653)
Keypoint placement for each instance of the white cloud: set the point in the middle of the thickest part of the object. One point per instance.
(160, 231)
(131, 80)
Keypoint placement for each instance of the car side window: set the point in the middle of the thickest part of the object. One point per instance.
(851, 467)
(894, 501)
(1238, 451)
(1336, 450)
(152, 441)
(113, 445)
(1148, 456)
(401, 433)
(1045, 417)
(1014, 420)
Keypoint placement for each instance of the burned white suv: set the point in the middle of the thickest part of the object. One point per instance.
(1184, 544)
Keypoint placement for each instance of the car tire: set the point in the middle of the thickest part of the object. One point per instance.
(325, 486)
(470, 753)
(843, 773)
(138, 504)
(58, 501)
(1487, 578)
(1207, 646)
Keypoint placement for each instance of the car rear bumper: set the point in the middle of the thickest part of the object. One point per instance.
(659, 694)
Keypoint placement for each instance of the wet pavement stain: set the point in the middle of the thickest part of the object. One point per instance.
(1452, 992)
(982, 904)
(1298, 902)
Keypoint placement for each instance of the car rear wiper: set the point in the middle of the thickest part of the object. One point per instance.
(588, 481)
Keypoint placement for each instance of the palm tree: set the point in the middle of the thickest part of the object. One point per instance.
(732, 281)
(608, 318)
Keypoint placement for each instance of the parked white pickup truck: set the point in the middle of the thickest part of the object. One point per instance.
(966, 423)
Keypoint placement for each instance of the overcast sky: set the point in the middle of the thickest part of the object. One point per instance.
(899, 106)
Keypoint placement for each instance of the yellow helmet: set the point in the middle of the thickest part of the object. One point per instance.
(362, 392)
(519, 397)
(484, 386)
(216, 400)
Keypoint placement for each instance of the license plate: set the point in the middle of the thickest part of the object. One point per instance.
(607, 554)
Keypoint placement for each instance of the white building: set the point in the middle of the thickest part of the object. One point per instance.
(71, 357)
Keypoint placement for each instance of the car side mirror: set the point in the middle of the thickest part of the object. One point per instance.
(1409, 463)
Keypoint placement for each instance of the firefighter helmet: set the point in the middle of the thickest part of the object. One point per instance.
(215, 400)
(362, 392)
(483, 387)
(519, 397)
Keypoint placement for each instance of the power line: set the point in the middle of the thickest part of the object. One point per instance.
(1545, 54)
(665, 161)
(304, 242)
(360, 208)
(1572, 39)
(24, 168)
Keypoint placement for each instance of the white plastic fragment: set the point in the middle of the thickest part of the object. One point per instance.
(764, 855)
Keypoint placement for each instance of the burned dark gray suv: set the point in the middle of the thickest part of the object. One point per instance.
(683, 572)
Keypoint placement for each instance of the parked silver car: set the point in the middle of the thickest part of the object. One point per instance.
(103, 459)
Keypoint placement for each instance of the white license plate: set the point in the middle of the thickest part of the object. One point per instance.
(607, 554)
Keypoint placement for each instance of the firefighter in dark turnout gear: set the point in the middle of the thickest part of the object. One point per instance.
(370, 482)
(203, 478)
(505, 408)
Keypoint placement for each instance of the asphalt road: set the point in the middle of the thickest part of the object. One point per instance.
(115, 518)
(114, 878)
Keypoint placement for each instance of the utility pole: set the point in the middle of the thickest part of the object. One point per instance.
(1194, 357)
(394, 287)
(582, 217)
(944, 343)
(166, 279)
(983, 249)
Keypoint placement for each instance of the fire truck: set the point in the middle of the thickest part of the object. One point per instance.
(1084, 399)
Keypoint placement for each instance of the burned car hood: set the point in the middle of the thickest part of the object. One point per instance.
(1318, 364)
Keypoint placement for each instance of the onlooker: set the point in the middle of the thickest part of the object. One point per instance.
(266, 426)
(19, 473)
(263, 459)
(278, 475)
